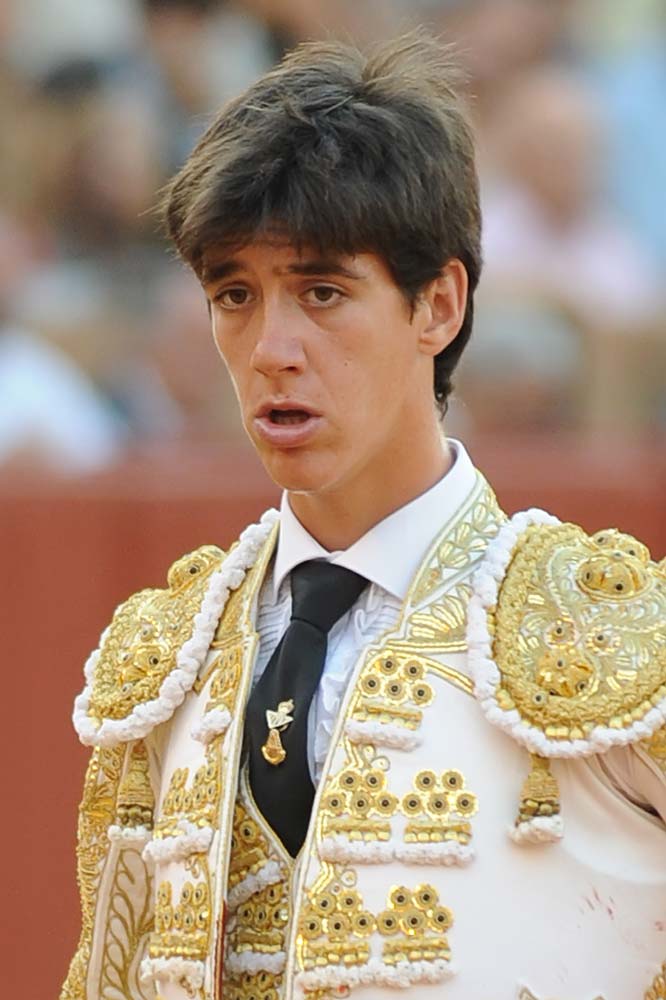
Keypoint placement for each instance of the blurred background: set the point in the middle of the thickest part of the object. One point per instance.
(119, 443)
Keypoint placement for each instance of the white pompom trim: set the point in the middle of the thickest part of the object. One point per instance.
(487, 678)
(381, 734)
(449, 853)
(540, 830)
(129, 836)
(376, 973)
(143, 718)
(192, 839)
(210, 725)
(339, 850)
(268, 874)
(238, 962)
(173, 970)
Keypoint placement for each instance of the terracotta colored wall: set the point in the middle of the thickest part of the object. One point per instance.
(71, 553)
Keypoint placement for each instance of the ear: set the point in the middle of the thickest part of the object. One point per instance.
(442, 305)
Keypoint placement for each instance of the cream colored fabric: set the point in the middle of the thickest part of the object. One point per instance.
(573, 920)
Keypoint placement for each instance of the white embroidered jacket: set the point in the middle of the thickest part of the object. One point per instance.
(436, 860)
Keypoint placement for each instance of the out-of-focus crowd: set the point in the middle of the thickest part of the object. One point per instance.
(104, 341)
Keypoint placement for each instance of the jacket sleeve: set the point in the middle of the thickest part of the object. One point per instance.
(114, 882)
(147, 661)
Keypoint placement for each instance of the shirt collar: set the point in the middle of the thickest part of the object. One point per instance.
(391, 552)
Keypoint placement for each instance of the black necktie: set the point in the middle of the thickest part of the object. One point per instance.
(276, 724)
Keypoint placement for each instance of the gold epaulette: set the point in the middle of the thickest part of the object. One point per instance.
(568, 637)
(140, 649)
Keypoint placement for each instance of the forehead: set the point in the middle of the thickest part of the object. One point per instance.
(278, 256)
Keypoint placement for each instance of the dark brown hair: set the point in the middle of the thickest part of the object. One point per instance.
(344, 153)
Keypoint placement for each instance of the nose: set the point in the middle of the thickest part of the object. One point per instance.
(279, 345)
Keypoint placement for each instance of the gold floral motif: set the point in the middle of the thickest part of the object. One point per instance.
(96, 813)
(441, 627)
(182, 929)
(415, 926)
(391, 688)
(334, 926)
(657, 990)
(439, 808)
(460, 548)
(540, 795)
(145, 635)
(127, 929)
(225, 668)
(357, 804)
(199, 803)
(136, 801)
(578, 631)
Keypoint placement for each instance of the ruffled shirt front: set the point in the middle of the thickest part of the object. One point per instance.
(388, 556)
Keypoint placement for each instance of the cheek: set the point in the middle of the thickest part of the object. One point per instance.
(227, 348)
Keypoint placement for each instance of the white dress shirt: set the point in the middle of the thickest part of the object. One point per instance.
(388, 556)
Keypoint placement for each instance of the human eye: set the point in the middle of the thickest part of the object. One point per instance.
(232, 298)
(323, 295)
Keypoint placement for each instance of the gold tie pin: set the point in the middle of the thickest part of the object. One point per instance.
(277, 721)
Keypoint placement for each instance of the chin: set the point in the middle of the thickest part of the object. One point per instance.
(299, 472)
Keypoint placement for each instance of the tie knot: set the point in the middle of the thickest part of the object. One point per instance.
(322, 593)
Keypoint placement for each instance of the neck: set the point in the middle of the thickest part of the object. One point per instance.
(339, 517)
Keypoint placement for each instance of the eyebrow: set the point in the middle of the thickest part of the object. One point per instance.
(309, 268)
(323, 265)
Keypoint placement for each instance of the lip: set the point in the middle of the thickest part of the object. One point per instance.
(286, 435)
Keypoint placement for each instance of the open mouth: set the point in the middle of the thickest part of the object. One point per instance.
(286, 426)
(285, 417)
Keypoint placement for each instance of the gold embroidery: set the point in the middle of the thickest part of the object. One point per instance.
(198, 804)
(235, 619)
(259, 924)
(334, 927)
(261, 986)
(127, 929)
(540, 795)
(451, 675)
(226, 668)
(183, 929)
(459, 549)
(96, 813)
(442, 625)
(416, 925)
(578, 632)
(391, 689)
(357, 804)
(657, 990)
(145, 635)
(438, 809)
(136, 802)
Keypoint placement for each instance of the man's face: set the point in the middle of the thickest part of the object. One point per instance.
(331, 371)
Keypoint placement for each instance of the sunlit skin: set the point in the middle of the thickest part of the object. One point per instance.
(333, 371)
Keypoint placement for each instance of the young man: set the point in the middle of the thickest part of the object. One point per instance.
(336, 760)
